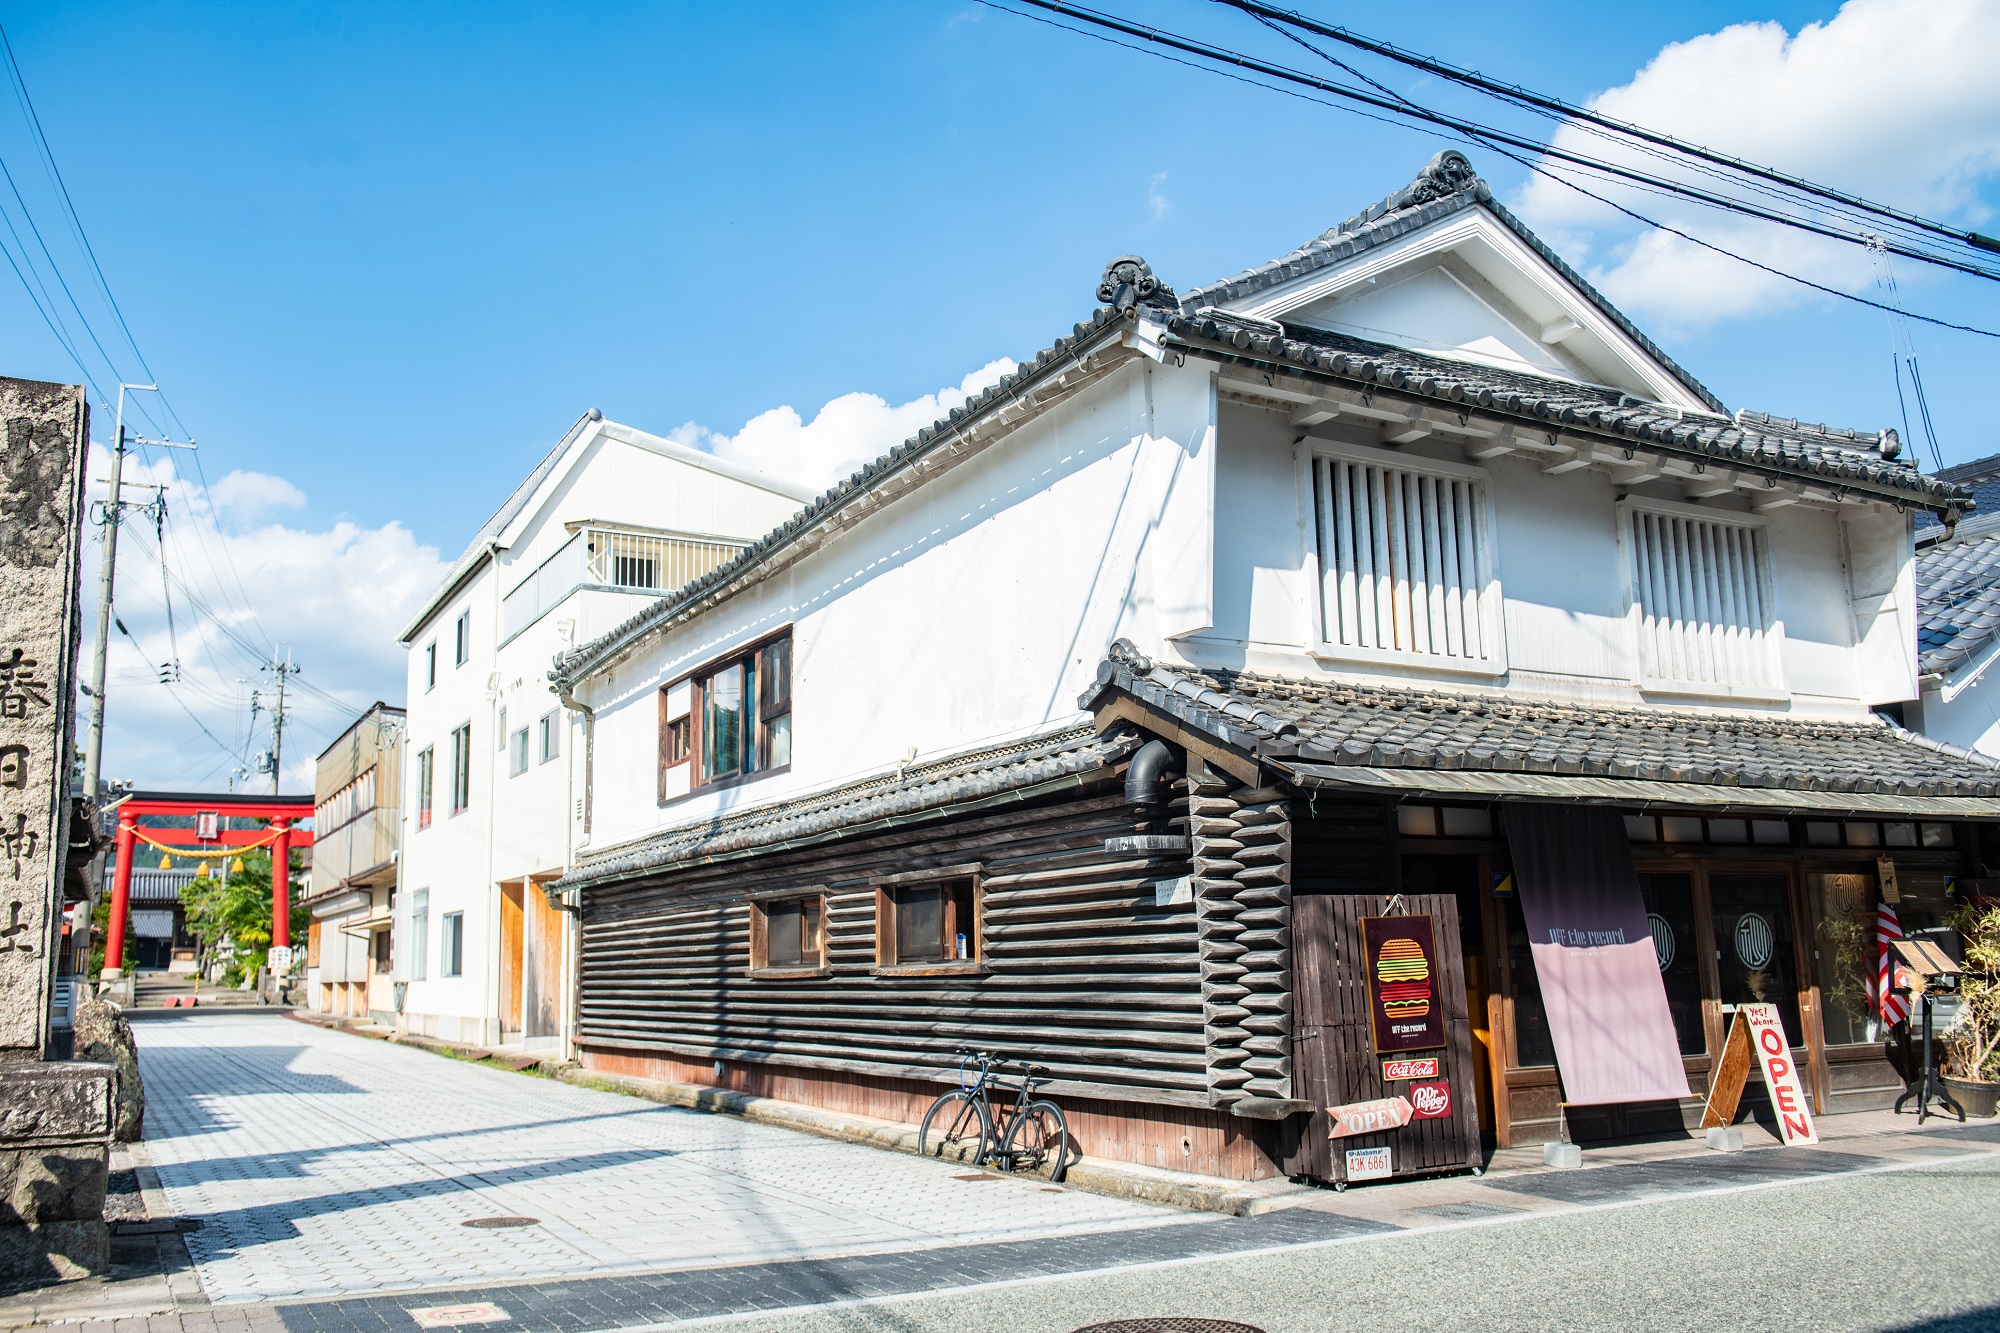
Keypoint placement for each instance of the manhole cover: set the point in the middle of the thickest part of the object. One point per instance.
(494, 1222)
(1170, 1324)
(1465, 1212)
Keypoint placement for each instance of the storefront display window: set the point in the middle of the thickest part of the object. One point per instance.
(1669, 900)
(1758, 960)
(1844, 949)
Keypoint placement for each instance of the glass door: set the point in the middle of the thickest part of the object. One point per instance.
(1757, 954)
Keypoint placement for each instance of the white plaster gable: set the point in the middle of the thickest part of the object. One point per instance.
(1467, 286)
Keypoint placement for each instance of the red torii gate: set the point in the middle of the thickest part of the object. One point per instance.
(282, 812)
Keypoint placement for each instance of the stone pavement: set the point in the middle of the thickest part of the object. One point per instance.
(320, 1163)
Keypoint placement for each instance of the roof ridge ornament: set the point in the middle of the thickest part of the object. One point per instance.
(1129, 280)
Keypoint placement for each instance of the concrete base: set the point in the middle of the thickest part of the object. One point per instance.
(55, 1155)
(1725, 1140)
(1562, 1156)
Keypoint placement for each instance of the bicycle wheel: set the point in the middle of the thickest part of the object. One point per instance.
(1038, 1140)
(957, 1128)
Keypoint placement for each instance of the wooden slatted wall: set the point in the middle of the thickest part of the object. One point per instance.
(1085, 971)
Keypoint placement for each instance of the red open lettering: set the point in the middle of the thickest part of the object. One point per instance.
(1797, 1127)
(1785, 1102)
(1780, 1067)
(1771, 1041)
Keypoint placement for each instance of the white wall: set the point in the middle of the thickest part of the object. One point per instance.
(976, 607)
(518, 825)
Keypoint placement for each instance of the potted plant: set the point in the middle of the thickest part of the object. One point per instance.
(1971, 1056)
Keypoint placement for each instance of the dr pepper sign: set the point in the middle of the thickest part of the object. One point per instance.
(1404, 1005)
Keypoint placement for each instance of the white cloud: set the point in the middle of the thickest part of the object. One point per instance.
(248, 496)
(1156, 195)
(851, 430)
(334, 597)
(1894, 100)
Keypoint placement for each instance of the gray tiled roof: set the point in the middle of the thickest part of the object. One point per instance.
(1958, 596)
(1372, 726)
(1445, 186)
(953, 782)
(1759, 441)
(1752, 439)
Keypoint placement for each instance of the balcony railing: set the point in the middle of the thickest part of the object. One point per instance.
(609, 558)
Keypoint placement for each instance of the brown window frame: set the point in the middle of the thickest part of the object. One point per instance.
(681, 741)
(760, 936)
(888, 892)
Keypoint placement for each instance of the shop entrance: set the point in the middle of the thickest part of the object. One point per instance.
(1756, 951)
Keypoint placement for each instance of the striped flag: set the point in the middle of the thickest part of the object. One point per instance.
(1893, 1008)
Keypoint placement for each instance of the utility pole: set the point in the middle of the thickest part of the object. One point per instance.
(281, 669)
(114, 509)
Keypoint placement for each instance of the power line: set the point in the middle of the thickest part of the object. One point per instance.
(1556, 107)
(1401, 107)
(1462, 132)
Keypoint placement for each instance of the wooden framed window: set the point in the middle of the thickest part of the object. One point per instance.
(929, 920)
(788, 935)
(730, 721)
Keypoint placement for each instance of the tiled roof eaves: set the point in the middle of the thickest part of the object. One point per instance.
(1958, 599)
(1066, 353)
(1575, 407)
(955, 784)
(1495, 721)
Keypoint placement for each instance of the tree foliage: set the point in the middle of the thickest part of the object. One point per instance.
(236, 906)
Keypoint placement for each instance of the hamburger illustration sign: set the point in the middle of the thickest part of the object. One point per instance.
(1405, 1005)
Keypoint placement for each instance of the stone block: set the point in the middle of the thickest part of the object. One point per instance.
(53, 1184)
(1562, 1156)
(54, 1101)
(1725, 1140)
(53, 1251)
(104, 1034)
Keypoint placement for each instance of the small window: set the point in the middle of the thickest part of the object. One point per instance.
(424, 758)
(1820, 833)
(461, 768)
(500, 728)
(462, 638)
(1461, 821)
(1416, 821)
(383, 943)
(420, 934)
(933, 924)
(1771, 832)
(517, 753)
(1680, 828)
(451, 949)
(1939, 835)
(1729, 830)
(1642, 828)
(1899, 835)
(1864, 834)
(729, 721)
(1701, 596)
(430, 665)
(549, 735)
(788, 933)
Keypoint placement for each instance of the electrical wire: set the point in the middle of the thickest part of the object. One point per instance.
(1486, 133)
(1461, 132)
(1516, 95)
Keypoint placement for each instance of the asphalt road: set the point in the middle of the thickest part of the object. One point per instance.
(1917, 1247)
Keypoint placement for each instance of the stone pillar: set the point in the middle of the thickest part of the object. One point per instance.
(55, 1119)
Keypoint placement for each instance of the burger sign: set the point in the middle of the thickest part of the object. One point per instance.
(1405, 1008)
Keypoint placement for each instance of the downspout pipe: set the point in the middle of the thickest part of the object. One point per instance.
(565, 693)
(1145, 777)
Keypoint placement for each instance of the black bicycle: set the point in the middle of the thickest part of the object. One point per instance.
(1032, 1135)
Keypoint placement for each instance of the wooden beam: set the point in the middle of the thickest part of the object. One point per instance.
(1239, 766)
(1317, 414)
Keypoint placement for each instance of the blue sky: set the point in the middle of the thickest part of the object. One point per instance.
(382, 256)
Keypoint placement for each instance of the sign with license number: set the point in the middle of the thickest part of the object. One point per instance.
(1420, 1067)
(1781, 1074)
(1405, 1007)
(1369, 1164)
(1369, 1117)
(279, 960)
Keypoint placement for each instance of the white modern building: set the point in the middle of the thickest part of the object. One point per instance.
(610, 520)
(1379, 578)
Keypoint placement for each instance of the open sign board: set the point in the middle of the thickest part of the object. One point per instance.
(1757, 1030)
(1370, 1117)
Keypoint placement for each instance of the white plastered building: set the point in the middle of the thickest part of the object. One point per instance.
(612, 518)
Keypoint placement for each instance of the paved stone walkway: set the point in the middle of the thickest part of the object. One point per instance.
(321, 1163)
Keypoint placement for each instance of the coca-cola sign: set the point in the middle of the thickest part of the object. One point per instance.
(1425, 1067)
(1430, 1101)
